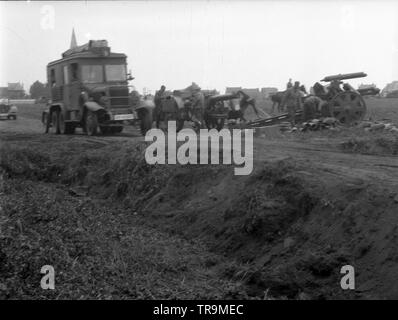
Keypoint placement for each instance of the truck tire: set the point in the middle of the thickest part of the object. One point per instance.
(91, 123)
(145, 121)
(53, 122)
(104, 129)
(117, 129)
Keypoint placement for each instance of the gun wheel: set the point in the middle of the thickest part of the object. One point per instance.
(348, 107)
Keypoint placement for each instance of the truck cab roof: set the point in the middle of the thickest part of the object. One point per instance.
(91, 50)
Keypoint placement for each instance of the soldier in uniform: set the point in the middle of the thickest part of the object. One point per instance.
(293, 101)
(198, 107)
(244, 103)
(312, 107)
(289, 84)
(158, 104)
(334, 88)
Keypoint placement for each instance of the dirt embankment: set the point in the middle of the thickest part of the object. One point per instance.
(193, 231)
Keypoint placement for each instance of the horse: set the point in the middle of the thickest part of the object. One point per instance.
(278, 97)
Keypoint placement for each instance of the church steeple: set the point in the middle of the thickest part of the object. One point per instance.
(73, 43)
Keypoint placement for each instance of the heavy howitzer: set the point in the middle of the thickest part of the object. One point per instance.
(346, 105)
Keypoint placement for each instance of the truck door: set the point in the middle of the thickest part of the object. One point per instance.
(73, 87)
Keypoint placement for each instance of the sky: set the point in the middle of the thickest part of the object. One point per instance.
(252, 44)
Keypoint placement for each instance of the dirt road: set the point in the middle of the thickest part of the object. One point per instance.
(324, 152)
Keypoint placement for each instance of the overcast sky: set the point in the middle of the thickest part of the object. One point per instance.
(214, 43)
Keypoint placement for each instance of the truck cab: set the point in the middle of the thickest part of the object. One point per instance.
(89, 89)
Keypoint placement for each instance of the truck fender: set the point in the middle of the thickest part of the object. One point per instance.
(93, 106)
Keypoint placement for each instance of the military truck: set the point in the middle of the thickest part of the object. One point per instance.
(89, 90)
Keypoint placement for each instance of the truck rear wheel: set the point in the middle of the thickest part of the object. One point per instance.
(52, 122)
(91, 123)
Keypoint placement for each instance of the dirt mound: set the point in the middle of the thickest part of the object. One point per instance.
(375, 144)
(68, 219)
(288, 232)
(284, 231)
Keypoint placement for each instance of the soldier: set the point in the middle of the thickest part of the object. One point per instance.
(312, 107)
(245, 102)
(158, 104)
(289, 84)
(198, 107)
(292, 100)
(334, 88)
(159, 95)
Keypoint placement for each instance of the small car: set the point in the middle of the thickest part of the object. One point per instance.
(8, 111)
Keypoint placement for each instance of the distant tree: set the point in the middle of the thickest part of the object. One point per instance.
(38, 89)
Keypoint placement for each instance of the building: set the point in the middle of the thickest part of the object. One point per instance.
(3, 92)
(366, 86)
(15, 91)
(389, 88)
(232, 89)
(256, 93)
(268, 91)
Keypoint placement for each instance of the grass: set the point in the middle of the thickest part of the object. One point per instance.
(378, 108)
(378, 144)
(93, 239)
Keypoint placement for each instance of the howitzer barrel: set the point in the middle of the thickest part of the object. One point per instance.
(344, 76)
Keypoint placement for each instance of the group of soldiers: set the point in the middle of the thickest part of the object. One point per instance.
(197, 102)
(295, 99)
(198, 106)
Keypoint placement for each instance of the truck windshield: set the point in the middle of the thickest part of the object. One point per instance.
(92, 74)
(115, 72)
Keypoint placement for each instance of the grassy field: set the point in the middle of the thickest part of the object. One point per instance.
(378, 108)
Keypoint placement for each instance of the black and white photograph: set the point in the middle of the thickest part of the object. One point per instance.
(212, 152)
